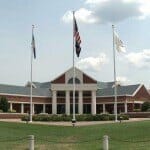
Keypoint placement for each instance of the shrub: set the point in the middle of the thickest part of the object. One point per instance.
(66, 117)
(4, 104)
(40, 117)
(96, 117)
(124, 116)
(104, 117)
(84, 117)
(145, 106)
(12, 111)
(25, 118)
(81, 117)
(111, 117)
(137, 110)
(148, 110)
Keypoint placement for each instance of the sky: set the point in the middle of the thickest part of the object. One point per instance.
(54, 39)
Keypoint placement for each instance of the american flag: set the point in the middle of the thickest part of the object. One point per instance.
(77, 38)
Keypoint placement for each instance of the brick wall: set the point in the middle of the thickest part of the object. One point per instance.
(10, 115)
(27, 99)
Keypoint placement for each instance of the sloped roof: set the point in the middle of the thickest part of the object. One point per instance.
(42, 85)
(121, 90)
(21, 90)
(103, 85)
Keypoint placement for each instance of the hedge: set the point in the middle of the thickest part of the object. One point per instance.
(85, 117)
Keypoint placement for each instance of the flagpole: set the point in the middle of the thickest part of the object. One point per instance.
(115, 83)
(74, 119)
(31, 109)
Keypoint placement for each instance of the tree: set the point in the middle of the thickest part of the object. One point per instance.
(146, 106)
(4, 104)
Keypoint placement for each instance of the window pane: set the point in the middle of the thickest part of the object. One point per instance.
(60, 108)
(87, 108)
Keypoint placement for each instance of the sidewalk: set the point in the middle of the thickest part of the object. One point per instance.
(83, 123)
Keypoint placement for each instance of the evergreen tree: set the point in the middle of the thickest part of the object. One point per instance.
(146, 106)
(4, 104)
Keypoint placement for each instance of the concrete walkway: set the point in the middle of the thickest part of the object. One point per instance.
(82, 123)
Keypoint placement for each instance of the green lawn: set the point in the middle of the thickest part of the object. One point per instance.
(124, 136)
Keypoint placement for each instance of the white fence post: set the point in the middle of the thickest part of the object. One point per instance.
(31, 142)
(105, 142)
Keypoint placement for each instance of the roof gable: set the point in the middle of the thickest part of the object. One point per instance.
(142, 91)
(66, 76)
(59, 79)
(87, 79)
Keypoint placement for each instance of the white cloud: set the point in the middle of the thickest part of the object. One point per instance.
(145, 8)
(122, 80)
(93, 63)
(95, 1)
(110, 11)
(83, 15)
(139, 59)
(67, 16)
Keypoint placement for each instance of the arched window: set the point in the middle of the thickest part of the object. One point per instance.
(70, 81)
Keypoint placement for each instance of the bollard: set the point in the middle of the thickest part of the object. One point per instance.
(31, 142)
(105, 142)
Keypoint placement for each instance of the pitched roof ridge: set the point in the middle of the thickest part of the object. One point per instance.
(130, 85)
(11, 85)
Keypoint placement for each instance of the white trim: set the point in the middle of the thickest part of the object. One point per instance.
(87, 75)
(93, 106)
(137, 89)
(109, 103)
(113, 96)
(14, 102)
(138, 102)
(64, 73)
(79, 87)
(104, 108)
(23, 95)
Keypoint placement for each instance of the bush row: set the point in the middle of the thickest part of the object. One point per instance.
(100, 117)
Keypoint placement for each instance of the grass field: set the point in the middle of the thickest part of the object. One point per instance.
(124, 136)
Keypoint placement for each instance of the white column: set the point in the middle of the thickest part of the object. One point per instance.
(67, 102)
(104, 108)
(125, 107)
(22, 108)
(10, 106)
(33, 109)
(80, 104)
(54, 104)
(43, 108)
(93, 102)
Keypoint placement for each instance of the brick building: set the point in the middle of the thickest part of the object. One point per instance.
(91, 96)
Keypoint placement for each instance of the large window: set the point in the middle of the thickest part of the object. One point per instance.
(71, 108)
(26, 108)
(60, 108)
(61, 94)
(76, 94)
(87, 108)
(38, 108)
(86, 93)
(109, 108)
(99, 108)
(70, 81)
(48, 108)
(17, 107)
